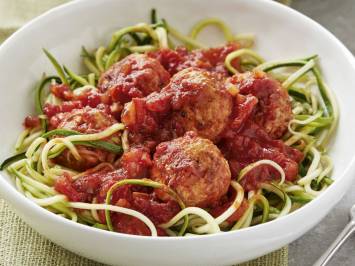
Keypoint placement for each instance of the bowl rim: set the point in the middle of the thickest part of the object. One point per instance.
(14, 196)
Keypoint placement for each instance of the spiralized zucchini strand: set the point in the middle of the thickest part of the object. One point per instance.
(101, 135)
(212, 225)
(184, 39)
(298, 74)
(226, 214)
(235, 205)
(141, 27)
(238, 53)
(57, 66)
(162, 37)
(250, 167)
(47, 201)
(312, 172)
(113, 208)
(21, 138)
(315, 118)
(246, 219)
(199, 26)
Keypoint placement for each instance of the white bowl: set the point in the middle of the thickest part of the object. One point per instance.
(281, 32)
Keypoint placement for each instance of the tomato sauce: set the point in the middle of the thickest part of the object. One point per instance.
(211, 59)
(31, 122)
(158, 103)
(135, 76)
(246, 142)
(95, 185)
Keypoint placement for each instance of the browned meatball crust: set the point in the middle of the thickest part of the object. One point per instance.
(88, 121)
(194, 168)
(194, 100)
(135, 76)
(207, 107)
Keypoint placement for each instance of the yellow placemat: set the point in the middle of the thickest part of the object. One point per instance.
(19, 244)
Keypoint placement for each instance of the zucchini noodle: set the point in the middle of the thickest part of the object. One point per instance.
(308, 120)
(246, 219)
(47, 201)
(101, 135)
(138, 215)
(75, 77)
(91, 79)
(141, 27)
(55, 146)
(148, 183)
(125, 143)
(212, 224)
(98, 58)
(35, 144)
(162, 37)
(226, 214)
(21, 138)
(250, 167)
(142, 49)
(241, 52)
(188, 41)
(282, 195)
(298, 74)
(235, 205)
(245, 40)
(57, 67)
(315, 117)
(94, 212)
(228, 35)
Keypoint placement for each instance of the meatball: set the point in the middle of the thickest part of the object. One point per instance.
(137, 75)
(200, 103)
(88, 121)
(194, 168)
(273, 111)
(195, 100)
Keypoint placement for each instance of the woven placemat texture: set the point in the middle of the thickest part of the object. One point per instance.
(19, 244)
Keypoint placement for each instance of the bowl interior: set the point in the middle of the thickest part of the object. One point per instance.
(280, 34)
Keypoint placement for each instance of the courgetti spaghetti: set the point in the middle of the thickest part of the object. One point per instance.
(166, 136)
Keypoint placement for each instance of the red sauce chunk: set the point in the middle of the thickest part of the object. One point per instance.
(218, 210)
(51, 109)
(135, 76)
(211, 59)
(273, 111)
(246, 142)
(31, 122)
(62, 91)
